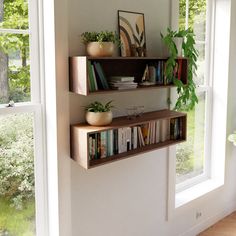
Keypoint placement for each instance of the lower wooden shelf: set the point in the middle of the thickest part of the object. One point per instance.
(81, 136)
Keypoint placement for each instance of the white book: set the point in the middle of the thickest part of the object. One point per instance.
(134, 137)
(164, 130)
(140, 135)
(157, 136)
(120, 133)
(128, 138)
(122, 78)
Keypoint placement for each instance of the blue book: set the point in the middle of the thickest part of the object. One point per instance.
(101, 75)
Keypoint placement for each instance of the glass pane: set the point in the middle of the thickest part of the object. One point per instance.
(14, 14)
(17, 201)
(190, 154)
(14, 68)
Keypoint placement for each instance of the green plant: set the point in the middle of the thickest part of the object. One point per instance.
(103, 36)
(99, 107)
(187, 97)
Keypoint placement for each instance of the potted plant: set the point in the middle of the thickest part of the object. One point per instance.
(100, 44)
(98, 114)
(187, 97)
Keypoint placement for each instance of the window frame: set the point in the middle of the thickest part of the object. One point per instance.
(37, 107)
(220, 54)
(207, 89)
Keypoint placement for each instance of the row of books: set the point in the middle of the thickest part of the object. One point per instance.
(156, 72)
(111, 142)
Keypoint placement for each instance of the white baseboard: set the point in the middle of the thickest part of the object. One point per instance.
(206, 223)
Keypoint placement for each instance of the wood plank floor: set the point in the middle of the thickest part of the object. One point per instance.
(225, 227)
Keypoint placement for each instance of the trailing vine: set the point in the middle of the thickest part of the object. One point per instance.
(187, 98)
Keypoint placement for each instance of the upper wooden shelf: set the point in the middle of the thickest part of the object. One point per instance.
(115, 66)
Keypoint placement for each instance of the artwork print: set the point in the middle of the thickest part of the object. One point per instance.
(132, 34)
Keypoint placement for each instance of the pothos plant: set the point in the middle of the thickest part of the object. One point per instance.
(103, 36)
(187, 97)
(99, 107)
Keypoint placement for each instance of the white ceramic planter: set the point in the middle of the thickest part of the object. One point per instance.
(100, 49)
(99, 118)
(178, 42)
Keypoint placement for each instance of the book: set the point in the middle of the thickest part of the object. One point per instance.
(110, 144)
(91, 77)
(152, 74)
(164, 130)
(94, 77)
(121, 78)
(115, 141)
(134, 138)
(180, 68)
(128, 138)
(145, 128)
(103, 135)
(101, 75)
(157, 131)
(140, 137)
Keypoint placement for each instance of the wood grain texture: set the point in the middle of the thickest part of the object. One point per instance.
(225, 227)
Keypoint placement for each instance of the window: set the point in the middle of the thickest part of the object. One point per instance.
(21, 145)
(192, 157)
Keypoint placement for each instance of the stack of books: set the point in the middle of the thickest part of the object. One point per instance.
(122, 82)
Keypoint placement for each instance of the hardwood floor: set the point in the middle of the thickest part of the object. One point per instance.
(225, 227)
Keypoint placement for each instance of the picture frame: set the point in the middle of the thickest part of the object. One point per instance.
(131, 27)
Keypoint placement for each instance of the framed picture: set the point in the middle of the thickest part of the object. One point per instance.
(132, 34)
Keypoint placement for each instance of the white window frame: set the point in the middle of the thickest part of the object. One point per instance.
(219, 65)
(207, 90)
(36, 107)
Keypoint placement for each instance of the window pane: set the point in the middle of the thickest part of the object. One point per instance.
(190, 154)
(17, 202)
(14, 14)
(14, 68)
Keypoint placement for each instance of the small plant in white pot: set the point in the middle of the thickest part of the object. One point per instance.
(100, 44)
(98, 114)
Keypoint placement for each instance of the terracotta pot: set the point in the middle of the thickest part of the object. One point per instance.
(99, 118)
(100, 49)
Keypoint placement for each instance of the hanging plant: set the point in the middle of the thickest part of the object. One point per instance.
(187, 98)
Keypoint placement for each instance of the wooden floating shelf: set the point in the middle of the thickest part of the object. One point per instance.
(115, 66)
(80, 136)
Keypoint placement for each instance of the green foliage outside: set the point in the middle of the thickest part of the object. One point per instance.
(186, 157)
(16, 46)
(17, 222)
(16, 172)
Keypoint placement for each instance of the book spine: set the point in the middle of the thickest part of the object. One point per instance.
(90, 76)
(134, 137)
(157, 138)
(94, 77)
(101, 75)
(103, 144)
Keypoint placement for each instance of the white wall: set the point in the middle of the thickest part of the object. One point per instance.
(129, 197)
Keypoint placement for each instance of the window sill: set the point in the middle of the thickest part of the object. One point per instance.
(197, 191)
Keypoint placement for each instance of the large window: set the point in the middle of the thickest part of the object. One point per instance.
(192, 156)
(20, 127)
